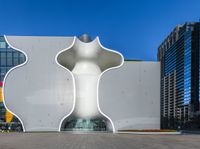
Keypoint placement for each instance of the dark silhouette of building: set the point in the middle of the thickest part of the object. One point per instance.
(180, 70)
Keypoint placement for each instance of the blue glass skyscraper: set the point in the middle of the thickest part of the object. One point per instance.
(179, 57)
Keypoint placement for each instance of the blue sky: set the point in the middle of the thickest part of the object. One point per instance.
(133, 27)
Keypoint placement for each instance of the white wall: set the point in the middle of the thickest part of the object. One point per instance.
(130, 95)
(41, 92)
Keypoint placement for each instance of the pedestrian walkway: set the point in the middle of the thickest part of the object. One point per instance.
(97, 141)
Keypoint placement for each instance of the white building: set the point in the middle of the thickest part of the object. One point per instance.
(73, 84)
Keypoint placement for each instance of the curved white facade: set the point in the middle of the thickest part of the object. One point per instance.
(39, 92)
(60, 81)
(90, 60)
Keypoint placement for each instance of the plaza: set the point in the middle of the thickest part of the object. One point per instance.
(97, 141)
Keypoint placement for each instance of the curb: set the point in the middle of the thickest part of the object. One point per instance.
(151, 133)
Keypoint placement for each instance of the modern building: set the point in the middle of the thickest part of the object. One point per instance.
(180, 70)
(40, 91)
(8, 59)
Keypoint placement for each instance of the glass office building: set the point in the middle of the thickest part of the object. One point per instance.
(180, 70)
(8, 59)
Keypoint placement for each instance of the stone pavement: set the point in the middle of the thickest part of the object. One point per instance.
(97, 141)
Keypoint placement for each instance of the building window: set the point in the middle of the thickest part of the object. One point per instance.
(21, 58)
(3, 58)
(2, 73)
(15, 61)
(2, 45)
(9, 59)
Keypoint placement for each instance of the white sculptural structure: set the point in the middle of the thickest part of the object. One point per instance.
(46, 97)
(88, 60)
(38, 92)
(65, 85)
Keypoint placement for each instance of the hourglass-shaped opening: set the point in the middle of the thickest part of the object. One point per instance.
(87, 60)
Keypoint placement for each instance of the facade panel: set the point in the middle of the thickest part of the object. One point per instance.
(129, 95)
(8, 59)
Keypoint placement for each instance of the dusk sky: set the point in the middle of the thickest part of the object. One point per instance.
(133, 27)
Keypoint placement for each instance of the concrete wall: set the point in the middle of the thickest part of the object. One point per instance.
(130, 95)
(40, 92)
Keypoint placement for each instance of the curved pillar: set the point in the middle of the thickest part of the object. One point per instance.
(87, 61)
